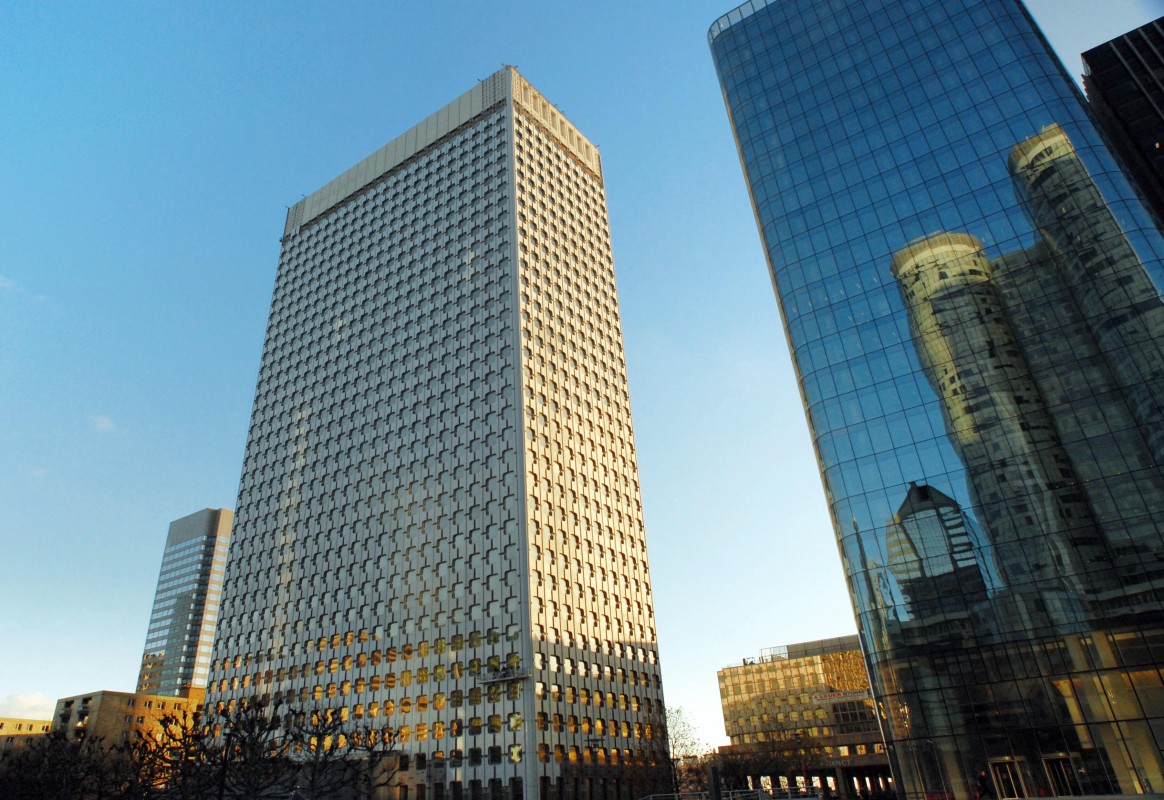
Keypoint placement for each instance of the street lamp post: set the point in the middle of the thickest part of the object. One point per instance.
(228, 732)
(591, 743)
(798, 737)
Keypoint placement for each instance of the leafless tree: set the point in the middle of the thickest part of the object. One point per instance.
(55, 767)
(252, 759)
(683, 739)
(177, 758)
(373, 759)
(317, 740)
(772, 758)
(688, 751)
(651, 771)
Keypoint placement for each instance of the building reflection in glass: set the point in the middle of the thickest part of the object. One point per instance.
(938, 557)
(971, 290)
(1063, 568)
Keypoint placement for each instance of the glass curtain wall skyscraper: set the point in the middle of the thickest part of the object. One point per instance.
(971, 290)
(181, 632)
(439, 524)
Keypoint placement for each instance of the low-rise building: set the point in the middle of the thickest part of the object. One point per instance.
(17, 733)
(116, 716)
(803, 715)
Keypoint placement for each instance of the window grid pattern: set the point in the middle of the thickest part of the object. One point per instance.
(375, 569)
(597, 683)
(971, 290)
(399, 496)
(821, 698)
(176, 658)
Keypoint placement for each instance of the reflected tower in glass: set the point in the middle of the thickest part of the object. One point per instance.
(971, 290)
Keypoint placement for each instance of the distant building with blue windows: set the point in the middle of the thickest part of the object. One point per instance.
(176, 659)
(972, 292)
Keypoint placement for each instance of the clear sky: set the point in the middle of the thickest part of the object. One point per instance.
(148, 152)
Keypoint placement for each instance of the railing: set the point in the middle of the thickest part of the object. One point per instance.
(742, 794)
(773, 794)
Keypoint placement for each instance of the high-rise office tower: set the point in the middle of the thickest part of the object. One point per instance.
(186, 604)
(1124, 79)
(439, 526)
(970, 286)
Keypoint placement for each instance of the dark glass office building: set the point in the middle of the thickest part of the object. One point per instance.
(1124, 80)
(971, 290)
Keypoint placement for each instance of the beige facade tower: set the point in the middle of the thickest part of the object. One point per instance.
(439, 525)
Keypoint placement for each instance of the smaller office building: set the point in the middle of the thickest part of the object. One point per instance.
(803, 716)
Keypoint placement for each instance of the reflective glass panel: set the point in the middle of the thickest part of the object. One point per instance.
(971, 288)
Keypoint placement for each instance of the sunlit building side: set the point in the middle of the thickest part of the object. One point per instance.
(801, 717)
(116, 719)
(18, 733)
(439, 524)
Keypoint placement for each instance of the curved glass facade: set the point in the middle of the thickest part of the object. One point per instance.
(971, 291)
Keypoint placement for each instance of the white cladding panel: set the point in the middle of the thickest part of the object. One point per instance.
(439, 526)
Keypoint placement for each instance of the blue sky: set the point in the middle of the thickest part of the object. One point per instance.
(149, 153)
